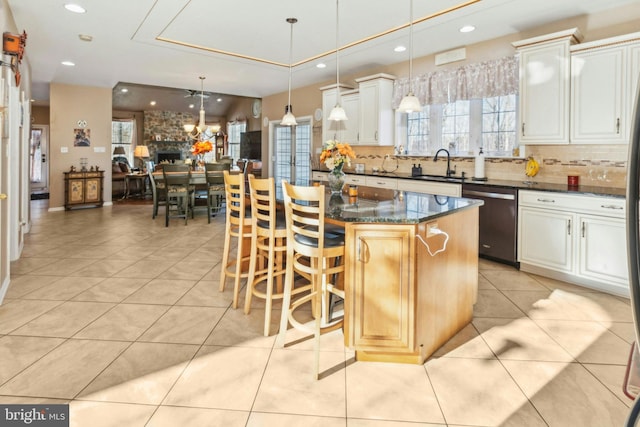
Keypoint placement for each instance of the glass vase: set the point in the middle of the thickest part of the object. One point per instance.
(336, 180)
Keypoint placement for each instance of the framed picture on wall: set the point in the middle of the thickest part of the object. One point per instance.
(82, 137)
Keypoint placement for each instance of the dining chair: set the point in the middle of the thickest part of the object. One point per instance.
(178, 191)
(157, 190)
(238, 227)
(215, 187)
(316, 252)
(268, 247)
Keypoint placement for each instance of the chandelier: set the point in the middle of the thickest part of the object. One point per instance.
(202, 131)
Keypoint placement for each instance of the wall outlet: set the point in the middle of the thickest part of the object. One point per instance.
(64, 149)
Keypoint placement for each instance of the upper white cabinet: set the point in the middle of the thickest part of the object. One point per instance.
(602, 88)
(376, 114)
(351, 104)
(331, 129)
(545, 87)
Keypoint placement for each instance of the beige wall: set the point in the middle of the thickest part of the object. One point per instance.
(40, 115)
(69, 104)
(591, 162)
(241, 110)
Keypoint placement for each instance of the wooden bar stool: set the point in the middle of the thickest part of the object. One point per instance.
(268, 246)
(316, 253)
(238, 226)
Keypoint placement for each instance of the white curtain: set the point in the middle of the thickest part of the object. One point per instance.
(473, 81)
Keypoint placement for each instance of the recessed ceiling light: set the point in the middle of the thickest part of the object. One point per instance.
(321, 65)
(191, 105)
(85, 37)
(124, 90)
(467, 29)
(219, 99)
(399, 48)
(68, 63)
(76, 8)
(153, 103)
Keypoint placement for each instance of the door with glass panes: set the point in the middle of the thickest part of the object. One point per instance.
(291, 153)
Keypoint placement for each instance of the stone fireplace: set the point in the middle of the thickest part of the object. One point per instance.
(171, 156)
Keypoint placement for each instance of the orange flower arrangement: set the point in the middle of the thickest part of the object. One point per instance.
(201, 147)
(335, 154)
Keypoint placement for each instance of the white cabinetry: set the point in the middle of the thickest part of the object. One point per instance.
(351, 104)
(331, 129)
(544, 87)
(376, 114)
(430, 187)
(545, 238)
(604, 78)
(381, 182)
(580, 239)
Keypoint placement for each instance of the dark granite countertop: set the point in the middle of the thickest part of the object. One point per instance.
(374, 206)
(588, 190)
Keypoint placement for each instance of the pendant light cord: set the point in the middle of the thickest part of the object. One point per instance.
(291, 21)
(411, 46)
(337, 53)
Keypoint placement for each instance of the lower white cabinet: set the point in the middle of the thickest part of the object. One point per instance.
(603, 249)
(430, 187)
(580, 239)
(546, 238)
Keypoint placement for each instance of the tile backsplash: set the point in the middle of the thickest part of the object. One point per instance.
(598, 165)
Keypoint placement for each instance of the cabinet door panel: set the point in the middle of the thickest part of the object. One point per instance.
(546, 238)
(93, 190)
(597, 98)
(76, 191)
(385, 297)
(544, 94)
(603, 254)
(350, 103)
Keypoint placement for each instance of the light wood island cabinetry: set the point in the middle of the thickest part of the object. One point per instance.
(402, 303)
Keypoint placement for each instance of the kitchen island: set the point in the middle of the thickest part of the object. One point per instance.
(411, 271)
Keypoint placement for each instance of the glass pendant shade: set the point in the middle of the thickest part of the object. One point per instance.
(338, 114)
(409, 104)
(288, 119)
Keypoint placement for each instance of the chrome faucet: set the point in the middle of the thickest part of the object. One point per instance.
(449, 171)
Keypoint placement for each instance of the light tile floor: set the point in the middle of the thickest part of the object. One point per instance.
(121, 317)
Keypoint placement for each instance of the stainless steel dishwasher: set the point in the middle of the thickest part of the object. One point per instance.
(498, 221)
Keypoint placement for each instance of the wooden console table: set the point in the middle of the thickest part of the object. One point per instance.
(83, 189)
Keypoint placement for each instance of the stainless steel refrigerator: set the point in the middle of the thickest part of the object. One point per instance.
(633, 248)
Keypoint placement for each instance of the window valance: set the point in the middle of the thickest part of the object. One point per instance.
(473, 81)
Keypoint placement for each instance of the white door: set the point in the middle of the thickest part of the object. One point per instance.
(39, 159)
(291, 153)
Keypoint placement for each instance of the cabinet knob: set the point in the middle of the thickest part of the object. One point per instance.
(3, 196)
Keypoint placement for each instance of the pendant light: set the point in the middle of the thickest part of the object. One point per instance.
(196, 131)
(410, 102)
(289, 119)
(337, 114)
